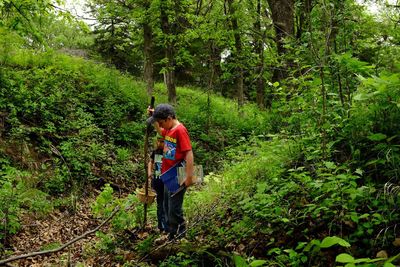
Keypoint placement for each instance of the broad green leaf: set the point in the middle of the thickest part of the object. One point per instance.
(344, 258)
(361, 97)
(275, 84)
(388, 264)
(239, 261)
(257, 263)
(333, 240)
(359, 171)
(330, 165)
(311, 244)
(377, 137)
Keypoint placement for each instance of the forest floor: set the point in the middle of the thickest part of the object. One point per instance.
(59, 227)
(56, 229)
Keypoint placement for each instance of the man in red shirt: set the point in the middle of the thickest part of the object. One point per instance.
(177, 150)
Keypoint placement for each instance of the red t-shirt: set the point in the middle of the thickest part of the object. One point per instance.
(176, 144)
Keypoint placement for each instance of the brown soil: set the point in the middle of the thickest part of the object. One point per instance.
(51, 232)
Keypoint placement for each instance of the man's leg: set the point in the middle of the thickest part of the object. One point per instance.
(159, 188)
(176, 221)
(166, 208)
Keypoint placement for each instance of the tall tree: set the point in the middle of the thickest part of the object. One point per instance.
(118, 36)
(283, 19)
(259, 37)
(238, 53)
(304, 8)
(169, 48)
(24, 16)
(148, 69)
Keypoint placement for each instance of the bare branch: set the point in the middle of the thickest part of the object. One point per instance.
(32, 254)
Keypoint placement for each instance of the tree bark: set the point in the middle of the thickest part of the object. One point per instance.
(169, 74)
(283, 20)
(148, 70)
(215, 66)
(259, 50)
(237, 55)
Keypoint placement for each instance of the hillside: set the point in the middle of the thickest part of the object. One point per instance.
(309, 176)
(70, 126)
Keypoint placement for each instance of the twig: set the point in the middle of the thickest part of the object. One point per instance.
(32, 254)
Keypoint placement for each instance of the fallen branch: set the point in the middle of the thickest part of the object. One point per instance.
(32, 254)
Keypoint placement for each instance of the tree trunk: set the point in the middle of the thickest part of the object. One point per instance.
(283, 19)
(170, 75)
(215, 66)
(169, 53)
(303, 17)
(148, 70)
(237, 55)
(259, 50)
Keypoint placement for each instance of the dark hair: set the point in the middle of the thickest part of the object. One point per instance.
(163, 111)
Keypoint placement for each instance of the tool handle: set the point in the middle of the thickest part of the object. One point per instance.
(153, 99)
(179, 190)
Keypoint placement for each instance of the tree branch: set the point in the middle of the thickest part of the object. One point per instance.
(32, 254)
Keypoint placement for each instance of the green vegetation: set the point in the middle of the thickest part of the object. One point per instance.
(302, 166)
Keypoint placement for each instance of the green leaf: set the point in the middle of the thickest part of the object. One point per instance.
(239, 261)
(257, 263)
(367, 260)
(377, 137)
(344, 258)
(333, 240)
(361, 96)
(388, 264)
(312, 243)
(359, 171)
(275, 84)
(330, 165)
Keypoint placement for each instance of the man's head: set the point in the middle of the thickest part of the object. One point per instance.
(163, 114)
(163, 111)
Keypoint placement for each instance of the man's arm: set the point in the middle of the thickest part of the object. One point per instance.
(189, 158)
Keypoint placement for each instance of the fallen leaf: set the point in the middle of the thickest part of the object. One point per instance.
(396, 242)
(382, 254)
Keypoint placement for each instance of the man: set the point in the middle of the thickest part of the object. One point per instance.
(177, 149)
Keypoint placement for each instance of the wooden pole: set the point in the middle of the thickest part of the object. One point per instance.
(146, 162)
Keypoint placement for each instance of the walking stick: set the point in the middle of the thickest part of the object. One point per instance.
(146, 162)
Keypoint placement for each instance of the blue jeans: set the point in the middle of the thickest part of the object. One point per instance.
(158, 186)
(174, 212)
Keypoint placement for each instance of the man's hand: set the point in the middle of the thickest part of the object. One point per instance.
(150, 111)
(189, 168)
(188, 181)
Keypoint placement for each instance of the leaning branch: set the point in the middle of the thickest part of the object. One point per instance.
(32, 254)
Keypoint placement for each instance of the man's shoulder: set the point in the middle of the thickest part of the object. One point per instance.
(182, 127)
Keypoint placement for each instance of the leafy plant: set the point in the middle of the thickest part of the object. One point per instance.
(9, 210)
(352, 262)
